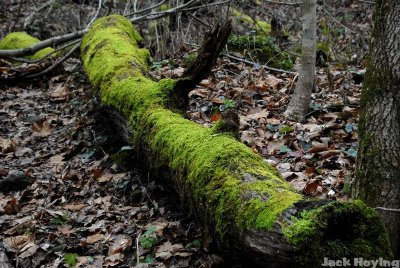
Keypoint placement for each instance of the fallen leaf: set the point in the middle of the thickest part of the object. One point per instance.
(60, 92)
(120, 243)
(42, 127)
(16, 243)
(92, 239)
(7, 146)
(74, 207)
(167, 250)
(311, 187)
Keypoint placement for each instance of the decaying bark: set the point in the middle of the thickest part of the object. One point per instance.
(238, 196)
(207, 56)
(377, 179)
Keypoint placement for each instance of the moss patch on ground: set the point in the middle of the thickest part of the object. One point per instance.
(263, 49)
(17, 40)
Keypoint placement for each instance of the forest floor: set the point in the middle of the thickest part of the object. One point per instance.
(87, 201)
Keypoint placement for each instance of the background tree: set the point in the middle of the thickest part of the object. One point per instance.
(377, 179)
(300, 102)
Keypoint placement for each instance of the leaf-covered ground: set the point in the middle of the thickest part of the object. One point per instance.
(88, 203)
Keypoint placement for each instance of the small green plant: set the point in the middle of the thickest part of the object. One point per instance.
(60, 220)
(122, 155)
(189, 58)
(194, 244)
(285, 129)
(148, 239)
(71, 259)
(149, 258)
(229, 104)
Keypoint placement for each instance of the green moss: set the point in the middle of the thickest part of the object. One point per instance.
(214, 166)
(18, 40)
(324, 47)
(338, 230)
(164, 7)
(263, 27)
(211, 167)
(189, 58)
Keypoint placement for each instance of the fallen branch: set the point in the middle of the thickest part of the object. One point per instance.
(51, 42)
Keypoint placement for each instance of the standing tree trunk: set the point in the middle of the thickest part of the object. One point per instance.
(300, 102)
(377, 179)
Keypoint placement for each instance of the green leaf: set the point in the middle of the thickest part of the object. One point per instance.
(284, 149)
(150, 230)
(149, 259)
(229, 104)
(286, 129)
(60, 220)
(351, 152)
(195, 244)
(147, 242)
(71, 259)
(349, 128)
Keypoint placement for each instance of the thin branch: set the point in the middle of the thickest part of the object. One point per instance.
(56, 64)
(24, 60)
(206, 5)
(54, 41)
(388, 209)
(200, 20)
(335, 20)
(95, 15)
(160, 14)
(15, 21)
(367, 2)
(145, 9)
(283, 3)
(257, 65)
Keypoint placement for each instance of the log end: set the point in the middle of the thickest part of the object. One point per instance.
(122, 61)
(337, 230)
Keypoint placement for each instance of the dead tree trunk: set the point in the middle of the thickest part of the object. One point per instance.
(300, 102)
(377, 179)
(237, 195)
(241, 199)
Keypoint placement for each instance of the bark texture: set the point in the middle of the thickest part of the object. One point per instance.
(300, 101)
(377, 179)
(241, 199)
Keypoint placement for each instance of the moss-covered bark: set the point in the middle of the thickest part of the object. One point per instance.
(18, 40)
(377, 179)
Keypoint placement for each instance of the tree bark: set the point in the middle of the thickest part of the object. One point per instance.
(300, 101)
(237, 195)
(377, 179)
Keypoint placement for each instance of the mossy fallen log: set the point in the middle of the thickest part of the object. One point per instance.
(238, 196)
